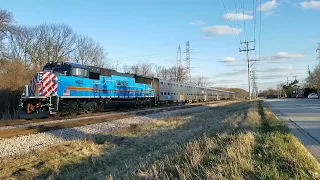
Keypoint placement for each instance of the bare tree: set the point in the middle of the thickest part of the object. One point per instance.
(6, 20)
(164, 74)
(41, 44)
(135, 69)
(19, 41)
(88, 52)
(125, 68)
(61, 38)
(145, 69)
(114, 64)
(201, 81)
(181, 74)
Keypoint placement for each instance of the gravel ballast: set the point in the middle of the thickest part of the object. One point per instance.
(24, 144)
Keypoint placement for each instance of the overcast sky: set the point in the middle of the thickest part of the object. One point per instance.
(151, 30)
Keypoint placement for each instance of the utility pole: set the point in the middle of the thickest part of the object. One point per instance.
(246, 49)
(295, 78)
(188, 60)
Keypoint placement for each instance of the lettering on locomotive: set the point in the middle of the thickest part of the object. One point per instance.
(122, 83)
(78, 81)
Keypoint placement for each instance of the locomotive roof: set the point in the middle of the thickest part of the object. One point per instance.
(77, 65)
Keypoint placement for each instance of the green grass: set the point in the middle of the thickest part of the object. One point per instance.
(238, 141)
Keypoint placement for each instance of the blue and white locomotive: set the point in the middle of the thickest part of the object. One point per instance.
(70, 88)
(64, 87)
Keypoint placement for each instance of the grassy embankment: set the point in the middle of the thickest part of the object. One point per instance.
(238, 141)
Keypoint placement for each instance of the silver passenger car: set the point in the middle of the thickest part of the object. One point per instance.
(170, 91)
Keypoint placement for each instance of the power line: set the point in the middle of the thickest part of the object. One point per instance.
(235, 37)
(235, 5)
(260, 30)
(244, 22)
(254, 10)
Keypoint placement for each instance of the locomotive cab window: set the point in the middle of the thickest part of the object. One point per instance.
(57, 68)
(79, 72)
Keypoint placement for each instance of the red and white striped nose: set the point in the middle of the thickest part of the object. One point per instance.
(49, 83)
(44, 84)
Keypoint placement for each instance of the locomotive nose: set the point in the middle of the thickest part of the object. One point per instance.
(44, 84)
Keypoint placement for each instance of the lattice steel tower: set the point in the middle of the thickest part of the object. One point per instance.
(188, 60)
(254, 84)
(179, 63)
(318, 50)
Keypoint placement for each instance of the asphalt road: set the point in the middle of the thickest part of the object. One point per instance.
(302, 116)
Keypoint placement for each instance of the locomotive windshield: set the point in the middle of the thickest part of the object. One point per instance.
(67, 69)
(58, 68)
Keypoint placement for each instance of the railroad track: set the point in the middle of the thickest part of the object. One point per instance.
(23, 127)
(17, 122)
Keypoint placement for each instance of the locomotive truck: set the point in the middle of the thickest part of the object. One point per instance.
(70, 88)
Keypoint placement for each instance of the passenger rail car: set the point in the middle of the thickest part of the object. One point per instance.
(71, 88)
(170, 91)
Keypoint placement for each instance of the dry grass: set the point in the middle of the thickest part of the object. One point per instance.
(49, 160)
(226, 156)
(261, 147)
(238, 141)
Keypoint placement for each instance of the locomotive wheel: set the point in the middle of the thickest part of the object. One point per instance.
(56, 115)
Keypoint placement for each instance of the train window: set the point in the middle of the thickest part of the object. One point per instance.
(79, 72)
(171, 93)
(161, 82)
(168, 93)
(93, 75)
(165, 93)
(161, 93)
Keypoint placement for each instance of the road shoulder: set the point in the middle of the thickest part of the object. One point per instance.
(307, 140)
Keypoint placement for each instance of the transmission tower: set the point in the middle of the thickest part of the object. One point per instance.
(246, 49)
(318, 50)
(188, 60)
(254, 84)
(179, 63)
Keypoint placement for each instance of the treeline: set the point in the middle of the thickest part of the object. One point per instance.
(269, 93)
(313, 79)
(173, 73)
(240, 93)
(24, 50)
